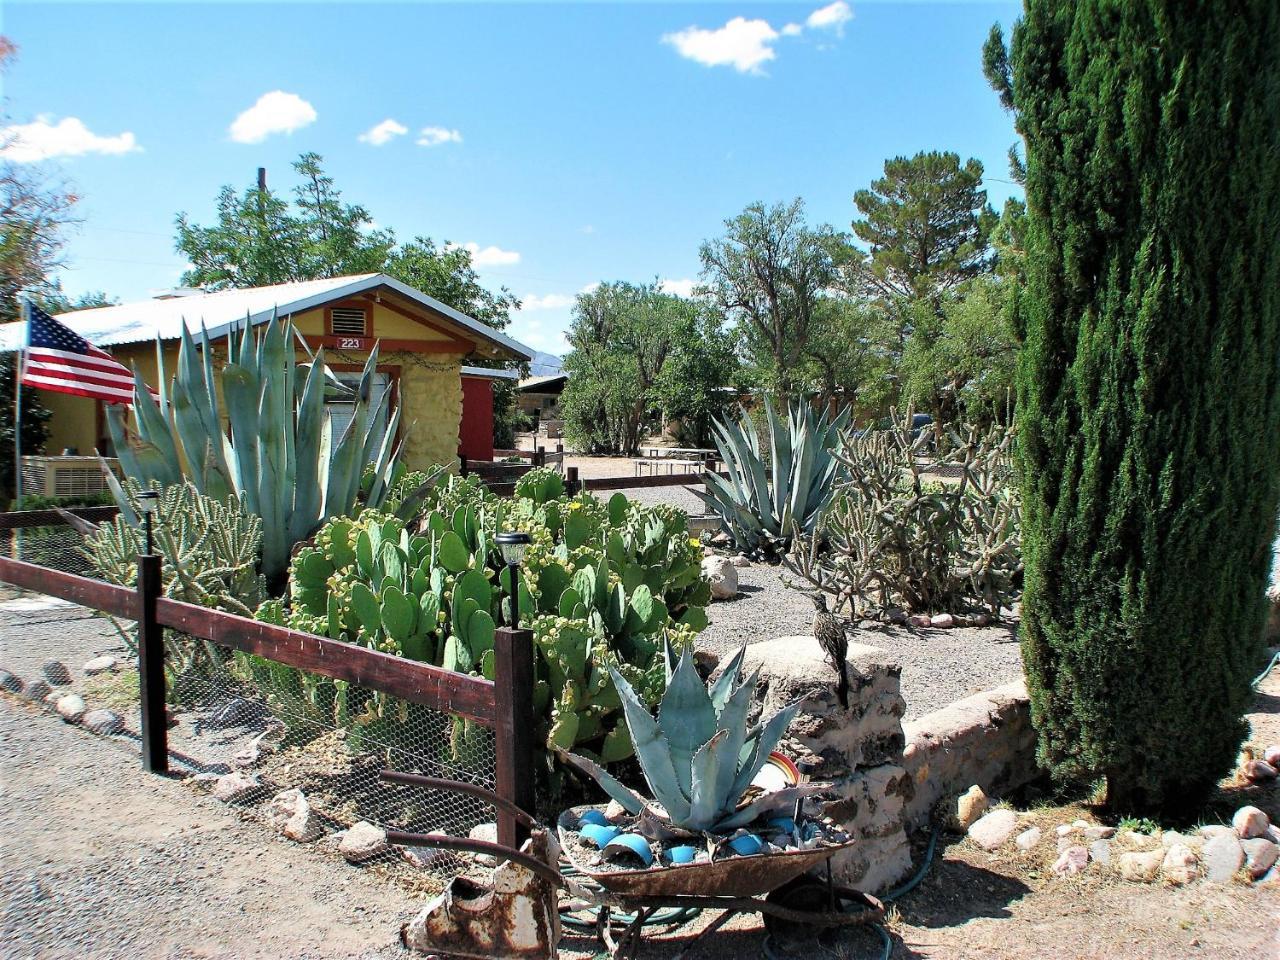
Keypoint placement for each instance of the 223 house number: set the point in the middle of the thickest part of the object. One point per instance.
(350, 343)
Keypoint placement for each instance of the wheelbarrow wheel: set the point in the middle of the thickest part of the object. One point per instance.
(805, 894)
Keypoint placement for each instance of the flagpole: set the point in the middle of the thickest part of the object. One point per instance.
(17, 407)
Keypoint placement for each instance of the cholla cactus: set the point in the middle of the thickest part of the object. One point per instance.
(894, 537)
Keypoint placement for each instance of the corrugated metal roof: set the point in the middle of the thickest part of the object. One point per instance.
(489, 373)
(219, 312)
(533, 383)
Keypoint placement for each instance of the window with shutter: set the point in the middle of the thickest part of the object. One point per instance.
(349, 321)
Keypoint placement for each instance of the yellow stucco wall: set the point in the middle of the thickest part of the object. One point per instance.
(430, 391)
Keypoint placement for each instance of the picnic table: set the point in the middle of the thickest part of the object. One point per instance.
(671, 463)
(656, 452)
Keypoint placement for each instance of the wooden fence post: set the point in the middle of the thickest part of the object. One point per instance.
(571, 482)
(513, 729)
(540, 457)
(154, 722)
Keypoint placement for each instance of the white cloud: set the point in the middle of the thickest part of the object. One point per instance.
(434, 136)
(792, 30)
(42, 139)
(381, 133)
(275, 112)
(490, 256)
(546, 334)
(550, 301)
(590, 287)
(741, 43)
(831, 17)
(681, 288)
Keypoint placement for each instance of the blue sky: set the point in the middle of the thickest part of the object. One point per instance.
(571, 142)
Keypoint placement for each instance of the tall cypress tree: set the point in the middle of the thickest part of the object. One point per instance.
(1149, 381)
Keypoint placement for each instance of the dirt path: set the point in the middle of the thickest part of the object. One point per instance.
(101, 860)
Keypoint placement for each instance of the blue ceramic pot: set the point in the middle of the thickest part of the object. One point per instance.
(597, 835)
(593, 816)
(682, 854)
(746, 845)
(629, 843)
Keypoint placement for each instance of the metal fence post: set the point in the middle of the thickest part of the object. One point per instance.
(154, 723)
(513, 727)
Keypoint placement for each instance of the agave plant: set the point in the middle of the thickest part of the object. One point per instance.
(279, 455)
(763, 512)
(698, 756)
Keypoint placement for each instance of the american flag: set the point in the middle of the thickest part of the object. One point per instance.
(58, 358)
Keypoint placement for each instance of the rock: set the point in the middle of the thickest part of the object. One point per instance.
(994, 829)
(942, 621)
(1092, 833)
(980, 620)
(1141, 866)
(1180, 865)
(723, 576)
(740, 560)
(105, 722)
(1027, 839)
(489, 832)
(70, 707)
(1171, 838)
(1100, 852)
(236, 788)
(970, 806)
(205, 782)
(363, 841)
(10, 683)
(1064, 830)
(98, 665)
(1273, 832)
(1222, 857)
(37, 691)
(1272, 755)
(920, 620)
(56, 673)
(236, 712)
(1259, 771)
(1250, 822)
(615, 811)
(1271, 878)
(1260, 855)
(291, 815)
(721, 539)
(429, 858)
(1073, 860)
(897, 616)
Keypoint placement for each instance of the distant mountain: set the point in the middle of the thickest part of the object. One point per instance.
(545, 364)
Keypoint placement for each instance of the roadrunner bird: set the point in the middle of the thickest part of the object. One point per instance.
(834, 643)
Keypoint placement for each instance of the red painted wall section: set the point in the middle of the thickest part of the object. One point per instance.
(475, 433)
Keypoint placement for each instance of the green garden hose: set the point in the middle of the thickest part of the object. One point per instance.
(1257, 681)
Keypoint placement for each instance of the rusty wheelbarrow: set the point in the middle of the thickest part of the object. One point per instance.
(519, 916)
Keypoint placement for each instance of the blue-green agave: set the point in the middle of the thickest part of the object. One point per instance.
(698, 755)
(279, 455)
(763, 511)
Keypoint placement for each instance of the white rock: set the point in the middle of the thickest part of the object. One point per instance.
(740, 560)
(489, 832)
(942, 621)
(363, 841)
(920, 620)
(1250, 822)
(1073, 860)
(723, 576)
(99, 665)
(70, 707)
(290, 813)
(1100, 852)
(234, 787)
(970, 806)
(1172, 838)
(994, 829)
(1260, 855)
(614, 812)
(1027, 839)
(1222, 856)
(1180, 865)
(1094, 832)
(1272, 755)
(105, 722)
(1141, 866)
(1064, 830)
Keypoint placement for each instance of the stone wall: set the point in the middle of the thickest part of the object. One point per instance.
(985, 739)
(431, 405)
(858, 749)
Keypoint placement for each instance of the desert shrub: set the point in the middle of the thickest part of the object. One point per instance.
(927, 537)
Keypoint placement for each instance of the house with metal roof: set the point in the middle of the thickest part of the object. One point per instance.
(430, 356)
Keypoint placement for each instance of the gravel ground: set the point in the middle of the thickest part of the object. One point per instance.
(938, 666)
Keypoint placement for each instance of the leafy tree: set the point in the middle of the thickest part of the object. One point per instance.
(260, 239)
(926, 224)
(35, 425)
(631, 345)
(852, 354)
(766, 274)
(695, 385)
(1148, 384)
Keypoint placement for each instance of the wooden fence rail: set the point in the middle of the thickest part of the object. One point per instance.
(505, 705)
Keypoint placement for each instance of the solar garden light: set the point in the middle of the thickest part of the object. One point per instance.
(148, 503)
(513, 544)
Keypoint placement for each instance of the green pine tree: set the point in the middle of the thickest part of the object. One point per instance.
(1149, 381)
